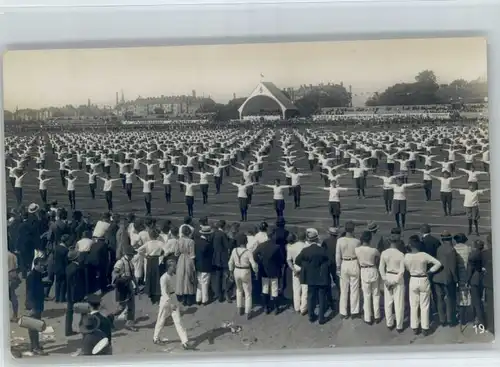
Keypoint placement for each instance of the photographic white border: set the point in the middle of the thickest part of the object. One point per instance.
(122, 23)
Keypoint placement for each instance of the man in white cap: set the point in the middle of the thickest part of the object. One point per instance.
(316, 270)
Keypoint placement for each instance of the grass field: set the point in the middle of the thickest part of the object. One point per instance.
(312, 213)
(287, 331)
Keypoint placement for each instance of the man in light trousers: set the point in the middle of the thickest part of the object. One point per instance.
(417, 263)
(299, 290)
(241, 263)
(348, 267)
(392, 269)
(169, 306)
(370, 286)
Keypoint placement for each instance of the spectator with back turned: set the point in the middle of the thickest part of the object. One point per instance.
(269, 257)
(35, 300)
(475, 279)
(76, 291)
(446, 280)
(488, 285)
(105, 322)
(315, 271)
(220, 275)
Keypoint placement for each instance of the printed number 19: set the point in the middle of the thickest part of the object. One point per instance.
(479, 329)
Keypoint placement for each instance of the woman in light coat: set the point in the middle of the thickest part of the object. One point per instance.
(186, 271)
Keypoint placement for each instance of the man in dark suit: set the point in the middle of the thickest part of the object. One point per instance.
(475, 280)
(59, 268)
(446, 281)
(220, 274)
(35, 299)
(25, 244)
(431, 243)
(488, 285)
(270, 258)
(110, 238)
(105, 323)
(97, 261)
(430, 246)
(316, 270)
(204, 253)
(279, 236)
(330, 245)
(75, 279)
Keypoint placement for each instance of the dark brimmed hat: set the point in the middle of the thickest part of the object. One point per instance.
(396, 231)
(372, 226)
(89, 324)
(460, 238)
(94, 299)
(446, 236)
(129, 251)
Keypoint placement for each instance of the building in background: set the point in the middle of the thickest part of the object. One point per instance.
(172, 106)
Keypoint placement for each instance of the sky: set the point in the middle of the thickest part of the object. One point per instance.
(36, 79)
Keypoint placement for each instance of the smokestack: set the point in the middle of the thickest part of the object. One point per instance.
(234, 95)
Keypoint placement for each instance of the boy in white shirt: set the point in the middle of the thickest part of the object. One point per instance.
(471, 204)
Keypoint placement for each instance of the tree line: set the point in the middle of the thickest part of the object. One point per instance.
(425, 90)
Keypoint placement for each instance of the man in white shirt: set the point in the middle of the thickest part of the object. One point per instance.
(71, 190)
(295, 181)
(392, 269)
(102, 226)
(417, 262)
(108, 189)
(189, 194)
(446, 191)
(471, 205)
(299, 290)
(169, 306)
(348, 267)
(334, 201)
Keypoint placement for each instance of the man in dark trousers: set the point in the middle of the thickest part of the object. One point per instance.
(57, 229)
(97, 261)
(270, 258)
(279, 236)
(220, 275)
(330, 245)
(316, 269)
(25, 244)
(59, 268)
(35, 298)
(75, 279)
(105, 323)
(488, 285)
(110, 238)
(446, 281)
(475, 280)
(204, 253)
(430, 246)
